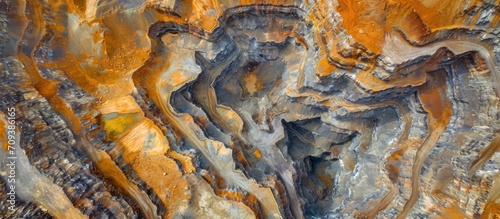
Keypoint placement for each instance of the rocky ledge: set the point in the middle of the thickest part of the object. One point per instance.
(250, 109)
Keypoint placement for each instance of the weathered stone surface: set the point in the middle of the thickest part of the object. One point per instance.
(250, 109)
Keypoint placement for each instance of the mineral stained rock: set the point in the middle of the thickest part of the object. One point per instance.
(250, 109)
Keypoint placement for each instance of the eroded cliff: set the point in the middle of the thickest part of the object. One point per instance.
(250, 109)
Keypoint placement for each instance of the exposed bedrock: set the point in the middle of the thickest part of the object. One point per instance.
(250, 109)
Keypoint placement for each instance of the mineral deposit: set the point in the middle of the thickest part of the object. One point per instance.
(250, 109)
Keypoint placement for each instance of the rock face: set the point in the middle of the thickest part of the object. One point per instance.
(250, 109)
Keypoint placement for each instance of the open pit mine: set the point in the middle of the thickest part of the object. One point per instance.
(215, 109)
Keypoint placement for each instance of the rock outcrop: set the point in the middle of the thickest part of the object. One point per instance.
(250, 109)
